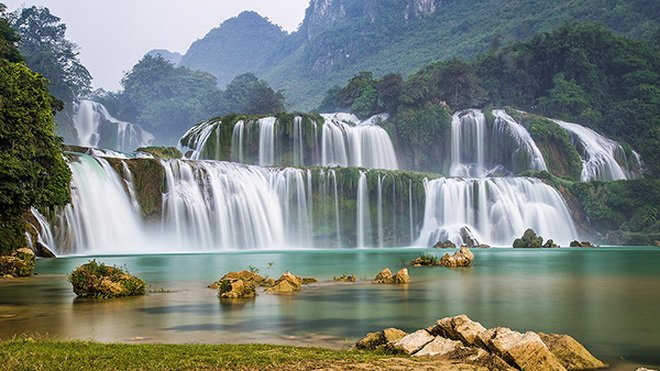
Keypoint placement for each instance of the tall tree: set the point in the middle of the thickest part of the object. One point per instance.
(48, 52)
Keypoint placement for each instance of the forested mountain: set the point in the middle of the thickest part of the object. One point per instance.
(339, 38)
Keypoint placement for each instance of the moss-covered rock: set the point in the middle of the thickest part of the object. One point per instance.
(162, 152)
(528, 240)
(236, 288)
(447, 244)
(20, 263)
(245, 276)
(97, 280)
(344, 278)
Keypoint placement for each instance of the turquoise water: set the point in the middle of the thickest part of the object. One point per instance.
(607, 298)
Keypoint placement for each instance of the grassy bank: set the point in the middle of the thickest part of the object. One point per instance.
(83, 355)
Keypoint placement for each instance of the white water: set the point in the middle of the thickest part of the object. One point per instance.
(497, 211)
(602, 158)
(92, 121)
(343, 140)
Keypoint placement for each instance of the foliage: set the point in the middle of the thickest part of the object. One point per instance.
(425, 259)
(78, 355)
(97, 280)
(19, 264)
(32, 169)
(48, 52)
(529, 239)
(8, 39)
(248, 95)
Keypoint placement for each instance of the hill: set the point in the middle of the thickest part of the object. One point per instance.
(339, 38)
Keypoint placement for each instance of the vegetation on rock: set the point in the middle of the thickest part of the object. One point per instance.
(20, 263)
(97, 280)
(161, 152)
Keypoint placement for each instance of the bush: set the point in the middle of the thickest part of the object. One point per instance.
(96, 280)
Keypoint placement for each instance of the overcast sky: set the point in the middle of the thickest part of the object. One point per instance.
(114, 34)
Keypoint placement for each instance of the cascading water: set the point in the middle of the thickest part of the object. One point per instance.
(341, 140)
(602, 158)
(479, 149)
(496, 210)
(97, 128)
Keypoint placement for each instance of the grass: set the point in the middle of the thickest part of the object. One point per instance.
(28, 354)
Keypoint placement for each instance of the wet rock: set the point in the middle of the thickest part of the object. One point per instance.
(468, 237)
(446, 244)
(237, 288)
(283, 287)
(523, 351)
(245, 276)
(528, 240)
(97, 280)
(402, 276)
(43, 251)
(19, 264)
(570, 353)
(344, 278)
(461, 258)
(411, 343)
(385, 276)
(309, 280)
(459, 328)
(376, 340)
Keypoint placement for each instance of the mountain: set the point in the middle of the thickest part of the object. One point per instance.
(339, 38)
(240, 45)
(173, 57)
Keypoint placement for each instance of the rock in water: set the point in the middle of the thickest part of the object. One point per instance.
(19, 264)
(524, 351)
(447, 244)
(402, 276)
(461, 258)
(236, 289)
(385, 276)
(570, 353)
(245, 276)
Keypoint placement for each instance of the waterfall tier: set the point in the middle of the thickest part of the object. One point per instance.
(97, 128)
(214, 206)
(308, 140)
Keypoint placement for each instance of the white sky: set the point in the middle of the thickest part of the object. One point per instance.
(114, 34)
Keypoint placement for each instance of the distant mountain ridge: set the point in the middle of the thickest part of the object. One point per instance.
(338, 38)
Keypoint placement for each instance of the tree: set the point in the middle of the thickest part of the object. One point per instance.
(32, 169)
(48, 52)
(566, 99)
(248, 95)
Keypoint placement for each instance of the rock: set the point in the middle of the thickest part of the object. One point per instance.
(468, 237)
(411, 343)
(19, 264)
(459, 328)
(309, 280)
(425, 260)
(344, 278)
(570, 353)
(483, 246)
(43, 251)
(528, 240)
(402, 276)
(446, 244)
(237, 289)
(385, 276)
(523, 351)
(283, 287)
(439, 347)
(268, 282)
(461, 258)
(576, 243)
(245, 276)
(100, 281)
(550, 243)
(477, 357)
(376, 340)
(295, 281)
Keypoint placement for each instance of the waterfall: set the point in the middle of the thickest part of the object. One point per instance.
(496, 210)
(602, 158)
(468, 140)
(363, 215)
(340, 140)
(524, 153)
(97, 128)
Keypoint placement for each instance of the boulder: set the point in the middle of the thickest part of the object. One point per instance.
(309, 280)
(459, 328)
(268, 282)
(478, 357)
(523, 351)
(245, 276)
(97, 280)
(385, 276)
(468, 237)
(446, 244)
(438, 348)
(283, 287)
(529, 239)
(237, 289)
(344, 278)
(376, 340)
(425, 260)
(402, 276)
(411, 343)
(19, 264)
(461, 258)
(570, 353)
(550, 243)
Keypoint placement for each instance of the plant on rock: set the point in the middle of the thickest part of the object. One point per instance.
(19, 264)
(97, 280)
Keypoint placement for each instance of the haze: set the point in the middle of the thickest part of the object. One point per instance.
(114, 34)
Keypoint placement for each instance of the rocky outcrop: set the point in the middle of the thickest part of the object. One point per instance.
(577, 243)
(288, 283)
(236, 288)
(529, 239)
(447, 244)
(344, 278)
(386, 277)
(19, 264)
(377, 340)
(468, 238)
(461, 258)
(466, 342)
(97, 280)
(245, 276)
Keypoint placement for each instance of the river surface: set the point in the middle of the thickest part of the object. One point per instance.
(606, 298)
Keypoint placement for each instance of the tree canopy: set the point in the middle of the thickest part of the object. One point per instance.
(49, 53)
(32, 169)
